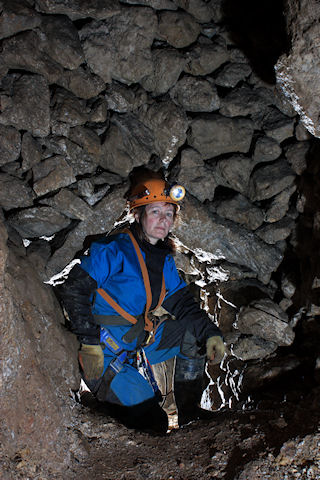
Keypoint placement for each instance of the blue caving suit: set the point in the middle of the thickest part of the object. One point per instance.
(112, 264)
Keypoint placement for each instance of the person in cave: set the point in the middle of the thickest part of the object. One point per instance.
(109, 298)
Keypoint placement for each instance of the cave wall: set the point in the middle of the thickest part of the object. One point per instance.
(89, 92)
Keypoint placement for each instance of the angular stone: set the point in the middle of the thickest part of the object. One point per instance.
(240, 210)
(266, 150)
(99, 114)
(24, 51)
(242, 101)
(37, 222)
(179, 29)
(81, 82)
(279, 205)
(67, 108)
(296, 154)
(87, 189)
(10, 144)
(81, 161)
(278, 126)
(168, 64)
(128, 143)
(302, 133)
(205, 59)
(119, 48)
(234, 172)
(253, 348)
(121, 98)
(102, 220)
(265, 319)
(69, 205)
(77, 9)
(277, 231)
(28, 108)
(203, 232)
(17, 16)
(14, 193)
(201, 10)
(156, 4)
(169, 125)
(52, 174)
(213, 135)
(195, 95)
(232, 74)
(195, 176)
(62, 42)
(269, 180)
(87, 139)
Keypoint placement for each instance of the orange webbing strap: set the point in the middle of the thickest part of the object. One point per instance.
(148, 323)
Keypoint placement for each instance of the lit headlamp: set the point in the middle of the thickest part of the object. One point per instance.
(177, 193)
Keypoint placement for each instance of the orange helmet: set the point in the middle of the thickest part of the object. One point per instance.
(155, 190)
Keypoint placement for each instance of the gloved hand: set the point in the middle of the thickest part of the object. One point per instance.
(215, 349)
(91, 360)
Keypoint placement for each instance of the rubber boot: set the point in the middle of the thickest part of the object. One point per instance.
(188, 388)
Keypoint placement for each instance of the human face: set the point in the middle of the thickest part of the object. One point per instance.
(157, 220)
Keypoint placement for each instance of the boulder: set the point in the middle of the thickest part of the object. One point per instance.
(81, 82)
(14, 193)
(37, 222)
(178, 29)
(279, 205)
(242, 101)
(232, 74)
(10, 144)
(240, 210)
(28, 107)
(52, 174)
(17, 16)
(67, 108)
(213, 135)
(276, 231)
(234, 172)
(69, 204)
(266, 150)
(119, 48)
(121, 98)
(205, 59)
(195, 95)
(269, 180)
(31, 152)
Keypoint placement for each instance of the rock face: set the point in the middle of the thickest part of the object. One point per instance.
(298, 71)
(90, 91)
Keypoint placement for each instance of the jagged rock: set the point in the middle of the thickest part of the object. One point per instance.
(87, 190)
(128, 143)
(195, 95)
(205, 59)
(119, 48)
(17, 16)
(69, 205)
(266, 150)
(99, 114)
(296, 154)
(10, 144)
(232, 74)
(278, 126)
(31, 152)
(169, 125)
(81, 161)
(81, 82)
(87, 139)
(201, 10)
(213, 135)
(24, 51)
(67, 108)
(234, 172)
(38, 222)
(14, 193)
(156, 4)
(240, 210)
(200, 230)
(167, 66)
(242, 101)
(28, 108)
(276, 231)
(103, 218)
(178, 29)
(106, 178)
(269, 180)
(38, 415)
(265, 319)
(279, 205)
(61, 41)
(77, 9)
(122, 99)
(251, 348)
(195, 176)
(52, 174)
